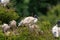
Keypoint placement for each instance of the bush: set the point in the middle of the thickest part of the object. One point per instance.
(54, 14)
(54, 11)
(7, 14)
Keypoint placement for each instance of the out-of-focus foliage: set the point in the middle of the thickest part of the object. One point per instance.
(29, 7)
(0, 22)
(22, 7)
(38, 7)
(7, 14)
(54, 13)
(55, 10)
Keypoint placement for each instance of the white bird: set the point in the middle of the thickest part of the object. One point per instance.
(13, 24)
(28, 20)
(5, 28)
(55, 31)
(4, 2)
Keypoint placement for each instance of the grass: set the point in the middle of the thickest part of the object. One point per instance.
(24, 34)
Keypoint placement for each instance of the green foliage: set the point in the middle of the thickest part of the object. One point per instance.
(0, 22)
(22, 7)
(29, 7)
(54, 14)
(55, 10)
(7, 14)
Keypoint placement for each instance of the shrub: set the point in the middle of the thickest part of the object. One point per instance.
(7, 14)
(54, 14)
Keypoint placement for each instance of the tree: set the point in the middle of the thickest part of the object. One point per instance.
(32, 7)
